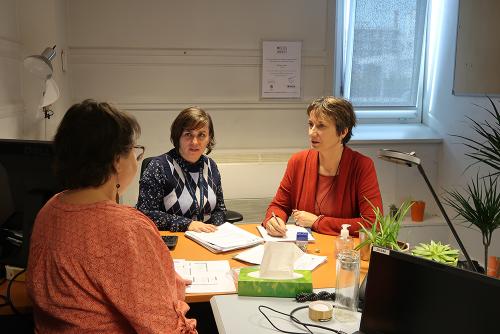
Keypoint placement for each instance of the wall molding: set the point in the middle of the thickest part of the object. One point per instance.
(12, 110)
(150, 56)
(159, 104)
(10, 49)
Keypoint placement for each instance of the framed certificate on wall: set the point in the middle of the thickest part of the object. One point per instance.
(281, 65)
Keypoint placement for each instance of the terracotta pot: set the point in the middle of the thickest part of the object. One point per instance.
(493, 266)
(364, 252)
(417, 211)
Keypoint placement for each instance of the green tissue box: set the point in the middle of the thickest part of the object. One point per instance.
(252, 286)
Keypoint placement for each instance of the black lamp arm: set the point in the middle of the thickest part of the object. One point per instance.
(447, 219)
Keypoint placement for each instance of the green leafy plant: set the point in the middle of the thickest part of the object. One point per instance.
(479, 206)
(486, 149)
(385, 230)
(438, 252)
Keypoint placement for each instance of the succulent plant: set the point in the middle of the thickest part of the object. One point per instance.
(438, 252)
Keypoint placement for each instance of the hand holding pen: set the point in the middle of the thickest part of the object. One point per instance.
(276, 227)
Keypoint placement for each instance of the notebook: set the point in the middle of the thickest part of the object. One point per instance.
(408, 294)
(227, 237)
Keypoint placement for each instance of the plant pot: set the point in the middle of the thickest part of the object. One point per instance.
(365, 251)
(417, 211)
(493, 266)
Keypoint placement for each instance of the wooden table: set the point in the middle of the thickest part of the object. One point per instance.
(323, 276)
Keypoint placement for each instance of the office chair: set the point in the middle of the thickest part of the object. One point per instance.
(231, 216)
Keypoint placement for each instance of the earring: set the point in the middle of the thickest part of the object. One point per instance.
(117, 196)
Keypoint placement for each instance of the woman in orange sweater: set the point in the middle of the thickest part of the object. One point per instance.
(96, 266)
(329, 184)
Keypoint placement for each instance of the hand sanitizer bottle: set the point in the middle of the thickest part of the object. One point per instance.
(344, 242)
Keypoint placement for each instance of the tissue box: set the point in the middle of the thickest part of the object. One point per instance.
(251, 286)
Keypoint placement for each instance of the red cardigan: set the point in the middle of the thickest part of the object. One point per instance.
(357, 179)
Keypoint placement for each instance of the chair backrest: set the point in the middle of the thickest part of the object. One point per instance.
(145, 163)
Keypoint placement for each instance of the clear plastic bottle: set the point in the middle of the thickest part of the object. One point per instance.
(302, 241)
(347, 285)
(344, 242)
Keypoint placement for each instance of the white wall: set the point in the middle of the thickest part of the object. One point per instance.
(11, 100)
(447, 114)
(156, 57)
(27, 27)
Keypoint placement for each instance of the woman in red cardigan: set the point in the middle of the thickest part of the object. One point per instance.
(329, 184)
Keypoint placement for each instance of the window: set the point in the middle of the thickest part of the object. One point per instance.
(380, 48)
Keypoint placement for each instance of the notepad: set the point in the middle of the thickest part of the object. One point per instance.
(305, 262)
(206, 276)
(227, 237)
(291, 233)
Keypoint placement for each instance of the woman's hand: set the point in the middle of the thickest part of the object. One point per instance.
(304, 218)
(275, 227)
(197, 226)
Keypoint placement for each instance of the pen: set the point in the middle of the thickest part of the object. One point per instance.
(277, 222)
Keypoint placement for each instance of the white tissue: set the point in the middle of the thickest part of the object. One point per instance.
(278, 260)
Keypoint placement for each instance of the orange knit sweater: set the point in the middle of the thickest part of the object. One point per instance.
(102, 268)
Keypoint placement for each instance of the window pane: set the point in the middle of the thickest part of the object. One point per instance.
(386, 52)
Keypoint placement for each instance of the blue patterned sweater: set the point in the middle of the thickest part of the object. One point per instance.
(171, 191)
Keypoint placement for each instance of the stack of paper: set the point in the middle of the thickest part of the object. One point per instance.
(227, 237)
(206, 276)
(291, 233)
(305, 262)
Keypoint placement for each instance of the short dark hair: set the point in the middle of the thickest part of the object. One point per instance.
(336, 109)
(89, 138)
(192, 118)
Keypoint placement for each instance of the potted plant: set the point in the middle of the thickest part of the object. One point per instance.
(438, 252)
(479, 205)
(385, 230)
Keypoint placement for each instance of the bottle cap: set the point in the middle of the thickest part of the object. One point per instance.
(302, 236)
(344, 233)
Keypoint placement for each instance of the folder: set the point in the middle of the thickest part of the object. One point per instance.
(227, 237)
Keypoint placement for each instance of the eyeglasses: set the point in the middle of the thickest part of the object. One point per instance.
(139, 151)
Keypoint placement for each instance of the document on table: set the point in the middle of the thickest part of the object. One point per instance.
(227, 237)
(291, 233)
(206, 276)
(305, 262)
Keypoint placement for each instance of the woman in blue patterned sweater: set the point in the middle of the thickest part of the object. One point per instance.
(181, 190)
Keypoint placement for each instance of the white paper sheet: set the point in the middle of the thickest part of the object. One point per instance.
(206, 276)
(291, 233)
(305, 262)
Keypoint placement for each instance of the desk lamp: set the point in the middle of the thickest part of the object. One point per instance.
(40, 65)
(409, 159)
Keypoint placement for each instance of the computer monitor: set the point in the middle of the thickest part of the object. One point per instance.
(409, 294)
(27, 181)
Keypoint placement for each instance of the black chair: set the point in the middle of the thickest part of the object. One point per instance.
(231, 216)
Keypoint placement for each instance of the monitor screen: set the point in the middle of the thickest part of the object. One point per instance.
(27, 181)
(408, 294)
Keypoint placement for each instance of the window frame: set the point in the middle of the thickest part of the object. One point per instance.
(343, 48)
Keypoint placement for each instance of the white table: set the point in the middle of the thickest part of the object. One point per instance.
(240, 314)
